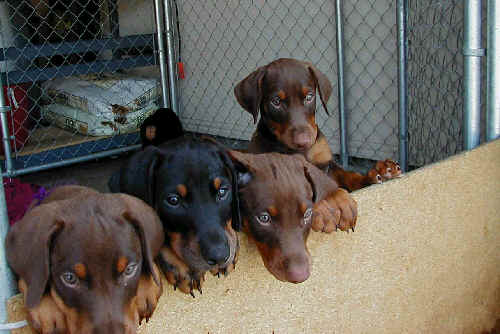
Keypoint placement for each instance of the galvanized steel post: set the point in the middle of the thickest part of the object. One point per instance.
(161, 51)
(472, 73)
(493, 67)
(340, 73)
(402, 23)
(7, 287)
(172, 68)
(7, 284)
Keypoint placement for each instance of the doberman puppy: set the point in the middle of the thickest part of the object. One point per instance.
(192, 185)
(284, 92)
(282, 198)
(85, 261)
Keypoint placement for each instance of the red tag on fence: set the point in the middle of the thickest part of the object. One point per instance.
(181, 70)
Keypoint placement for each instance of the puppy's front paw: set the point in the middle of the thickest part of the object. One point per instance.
(46, 317)
(179, 274)
(338, 210)
(148, 293)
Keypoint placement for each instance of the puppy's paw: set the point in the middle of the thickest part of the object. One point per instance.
(179, 274)
(338, 210)
(148, 293)
(46, 317)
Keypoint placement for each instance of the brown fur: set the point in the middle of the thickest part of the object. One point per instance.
(83, 233)
(284, 187)
(353, 181)
(292, 127)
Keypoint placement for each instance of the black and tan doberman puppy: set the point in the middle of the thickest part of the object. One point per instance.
(282, 197)
(192, 185)
(285, 94)
(85, 261)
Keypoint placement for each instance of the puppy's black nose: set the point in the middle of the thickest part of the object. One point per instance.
(217, 254)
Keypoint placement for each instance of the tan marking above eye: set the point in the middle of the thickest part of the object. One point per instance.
(80, 270)
(182, 190)
(281, 95)
(217, 183)
(272, 211)
(305, 91)
(121, 264)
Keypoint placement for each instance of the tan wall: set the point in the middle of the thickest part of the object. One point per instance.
(425, 258)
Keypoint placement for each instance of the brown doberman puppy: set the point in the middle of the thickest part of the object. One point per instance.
(281, 198)
(85, 261)
(284, 92)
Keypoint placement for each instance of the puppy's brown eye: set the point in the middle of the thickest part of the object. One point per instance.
(69, 278)
(173, 200)
(276, 101)
(397, 167)
(130, 270)
(308, 216)
(309, 97)
(264, 218)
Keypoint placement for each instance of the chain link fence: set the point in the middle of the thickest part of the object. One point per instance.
(220, 42)
(224, 41)
(65, 71)
(435, 79)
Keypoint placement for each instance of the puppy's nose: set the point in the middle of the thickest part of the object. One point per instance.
(302, 140)
(217, 254)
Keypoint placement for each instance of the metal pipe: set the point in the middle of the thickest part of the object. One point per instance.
(493, 80)
(472, 73)
(402, 23)
(73, 161)
(7, 282)
(344, 157)
(169, 26)
(4, 109)
(161, 51)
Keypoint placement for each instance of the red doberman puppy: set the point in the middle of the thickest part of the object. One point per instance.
(281, 198)
(284, 92)
(85, 262)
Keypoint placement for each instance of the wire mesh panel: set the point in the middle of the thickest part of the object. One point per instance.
(371, 59)
(224, 41)
(435, 68)
(65, 73)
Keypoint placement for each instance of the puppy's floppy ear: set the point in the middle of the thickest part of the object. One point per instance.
(323, 84)
(244, 167)
(321, 183)
(248, 92)
(28, 245)
(137, 176)
(236, 220)
(150, 229)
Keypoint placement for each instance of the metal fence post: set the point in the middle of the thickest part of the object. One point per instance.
(161, 51)
(472, 73)
(7, 284)
(340, 73)
(493, 81)
(402, 23)
(169, 26)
